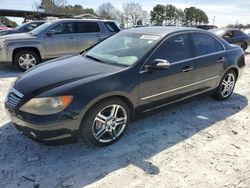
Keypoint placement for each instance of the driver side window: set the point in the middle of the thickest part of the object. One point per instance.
(173, 49)
(64, 28)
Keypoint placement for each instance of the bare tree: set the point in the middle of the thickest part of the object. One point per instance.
(106, 10)
(132, 12)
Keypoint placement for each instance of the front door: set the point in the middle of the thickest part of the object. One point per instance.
(62, 41)
(172, 83)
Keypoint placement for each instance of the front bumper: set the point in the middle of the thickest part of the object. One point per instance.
(54, 133)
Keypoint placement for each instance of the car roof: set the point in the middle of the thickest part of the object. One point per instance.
(74, 20)
(160, 30)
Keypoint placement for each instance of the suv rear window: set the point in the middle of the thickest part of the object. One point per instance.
(112, 27)
(88, 27)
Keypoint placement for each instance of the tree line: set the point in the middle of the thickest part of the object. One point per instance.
(132, 13)
(170, 15)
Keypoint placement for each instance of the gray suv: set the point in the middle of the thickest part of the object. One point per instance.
(53, 39)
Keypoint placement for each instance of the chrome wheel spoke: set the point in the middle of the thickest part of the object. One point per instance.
(101, 118)
(114, 110)
(113, 134)
(120, 121)
(101, 132)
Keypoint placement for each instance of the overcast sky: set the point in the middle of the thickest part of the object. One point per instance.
(224, 11)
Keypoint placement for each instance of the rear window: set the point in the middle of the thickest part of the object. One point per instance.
(112, 27)
(88, 27)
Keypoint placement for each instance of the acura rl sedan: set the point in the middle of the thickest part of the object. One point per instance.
(97, 93)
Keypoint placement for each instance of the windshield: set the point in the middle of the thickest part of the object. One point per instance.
(123, 48)
(20, 26)
(41, 28)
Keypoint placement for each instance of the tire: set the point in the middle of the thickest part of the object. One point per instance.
(100, 128)
(226, 87)
(32, 59)
(244, 46)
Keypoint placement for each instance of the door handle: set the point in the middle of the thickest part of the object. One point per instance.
(71, 37)
(188, 68)
(221, 60)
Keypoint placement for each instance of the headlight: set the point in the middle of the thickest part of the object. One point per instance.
(46, 105)
(2, 43)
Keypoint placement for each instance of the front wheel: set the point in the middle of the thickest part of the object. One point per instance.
(26, 59)
(105, 122)
(226, 86)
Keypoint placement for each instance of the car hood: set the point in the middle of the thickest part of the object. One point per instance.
(61, 71)
(18, 36)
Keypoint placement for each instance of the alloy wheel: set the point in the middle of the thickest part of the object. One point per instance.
(27, 61)
(228, 85)
(109, 123)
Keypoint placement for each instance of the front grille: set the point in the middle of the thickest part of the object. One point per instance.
(14, 98)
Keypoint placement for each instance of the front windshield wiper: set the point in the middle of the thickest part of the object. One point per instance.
(93, 58)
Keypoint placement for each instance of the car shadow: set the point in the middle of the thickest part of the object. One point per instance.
(7, 70)
(26, 163)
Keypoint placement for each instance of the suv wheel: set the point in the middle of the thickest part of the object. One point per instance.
(105, 123)
(26, 59)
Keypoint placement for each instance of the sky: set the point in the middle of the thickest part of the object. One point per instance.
(224, 11)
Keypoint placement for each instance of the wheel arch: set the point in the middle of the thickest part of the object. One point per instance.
(34, 49)
(124, 98)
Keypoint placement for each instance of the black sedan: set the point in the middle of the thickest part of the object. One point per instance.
(24, 28)
(97, 93)
(233, 36)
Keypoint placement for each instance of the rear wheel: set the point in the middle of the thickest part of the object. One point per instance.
(106, 122)
(26, 59)
(226, 86)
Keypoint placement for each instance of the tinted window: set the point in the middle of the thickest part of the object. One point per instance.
(174, 49)
(88, 27)
(112, 27)
(205, 44)
(31, 26)
(64, 28)
(237, 33)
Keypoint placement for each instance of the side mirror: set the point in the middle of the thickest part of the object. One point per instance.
(157, 64)
(51, 32)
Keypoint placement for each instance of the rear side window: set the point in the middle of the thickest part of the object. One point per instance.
(205, 44)
(174, 49)
(112, 27)
(237, 33)
(88, 27)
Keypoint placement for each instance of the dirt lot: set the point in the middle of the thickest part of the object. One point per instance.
(202, 143)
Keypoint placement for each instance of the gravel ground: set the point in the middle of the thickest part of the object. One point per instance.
(201, 143)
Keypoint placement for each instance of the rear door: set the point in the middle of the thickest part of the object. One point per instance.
(88, 34)
(62, 42)
(238, 37)
(209, 55)
(174, 82)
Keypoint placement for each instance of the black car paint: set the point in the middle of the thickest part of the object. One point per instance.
(90, 81)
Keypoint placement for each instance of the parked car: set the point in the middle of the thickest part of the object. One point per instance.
(53, 39)
(26, 27)
(4, 27)
(97, 93)
(233, 36)
(206, 27)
